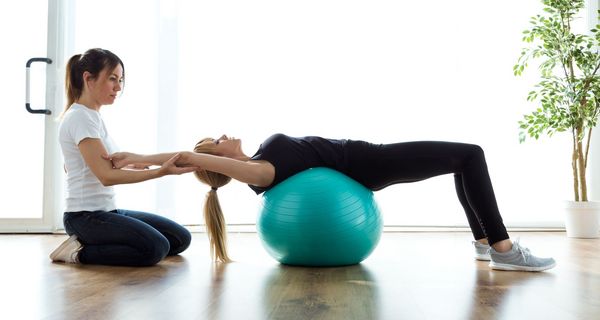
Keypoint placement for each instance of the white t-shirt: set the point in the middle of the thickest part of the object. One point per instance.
(84, 190)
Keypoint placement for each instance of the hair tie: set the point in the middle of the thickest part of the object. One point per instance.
(213, 188)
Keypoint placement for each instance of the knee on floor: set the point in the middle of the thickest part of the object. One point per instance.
(154, 253)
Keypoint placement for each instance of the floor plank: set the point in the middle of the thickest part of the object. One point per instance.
(411, 275)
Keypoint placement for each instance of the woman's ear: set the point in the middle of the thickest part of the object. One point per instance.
(86, 77)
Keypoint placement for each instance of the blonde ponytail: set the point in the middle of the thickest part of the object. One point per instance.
(216, 227)
(213, 214)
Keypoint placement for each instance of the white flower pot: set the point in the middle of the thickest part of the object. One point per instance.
(582, 219)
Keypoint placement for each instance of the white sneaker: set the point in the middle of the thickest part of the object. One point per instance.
(482, 251)
(68, 251)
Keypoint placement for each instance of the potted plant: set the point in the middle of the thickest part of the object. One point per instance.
(568, 97)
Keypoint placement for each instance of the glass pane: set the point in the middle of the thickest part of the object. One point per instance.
(24, 27)
(383, 71)
(132, 119)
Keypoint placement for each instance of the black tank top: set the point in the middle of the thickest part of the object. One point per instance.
(290, 155)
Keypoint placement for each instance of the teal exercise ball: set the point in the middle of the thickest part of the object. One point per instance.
(319, 217)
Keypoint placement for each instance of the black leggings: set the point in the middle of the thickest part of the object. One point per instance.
(379, 165)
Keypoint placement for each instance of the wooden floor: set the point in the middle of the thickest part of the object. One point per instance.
(410, 275)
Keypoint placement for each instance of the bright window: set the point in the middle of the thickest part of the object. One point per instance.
(381, 71)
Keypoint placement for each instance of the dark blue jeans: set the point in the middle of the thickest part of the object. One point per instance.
(125, 238)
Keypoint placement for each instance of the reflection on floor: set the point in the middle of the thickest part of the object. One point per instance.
(411, 275)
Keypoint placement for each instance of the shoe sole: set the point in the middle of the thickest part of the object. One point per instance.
(61, 247)
(483, 257)
(511, 267)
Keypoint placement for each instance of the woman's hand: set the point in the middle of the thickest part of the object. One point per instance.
(184, 159)
(125, 160)
(170, 166)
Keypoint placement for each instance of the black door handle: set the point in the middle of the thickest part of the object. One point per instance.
(27, 105)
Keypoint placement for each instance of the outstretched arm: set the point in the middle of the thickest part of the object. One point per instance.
(126, 159)
(258, 173)
(94, 154)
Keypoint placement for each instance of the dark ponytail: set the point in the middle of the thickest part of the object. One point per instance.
(73, 81)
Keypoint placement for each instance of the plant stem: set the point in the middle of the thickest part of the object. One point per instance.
(587, 146)
(581, 171)
(574, 166)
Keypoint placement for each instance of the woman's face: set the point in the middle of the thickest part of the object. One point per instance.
(105, 88)
(227, 146)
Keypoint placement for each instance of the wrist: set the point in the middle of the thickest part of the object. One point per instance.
(160, 172)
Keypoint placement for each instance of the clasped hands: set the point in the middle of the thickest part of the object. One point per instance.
(172, 165)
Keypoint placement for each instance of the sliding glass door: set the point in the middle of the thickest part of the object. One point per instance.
(24, 36)
(42, 35)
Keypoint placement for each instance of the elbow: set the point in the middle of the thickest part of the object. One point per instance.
(262, 181)
(107, 182)
(260, 177)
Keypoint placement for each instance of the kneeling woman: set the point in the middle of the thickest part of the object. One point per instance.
(99, 232)
(376, 166)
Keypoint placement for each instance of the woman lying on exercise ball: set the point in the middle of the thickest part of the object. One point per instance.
(376, 166)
